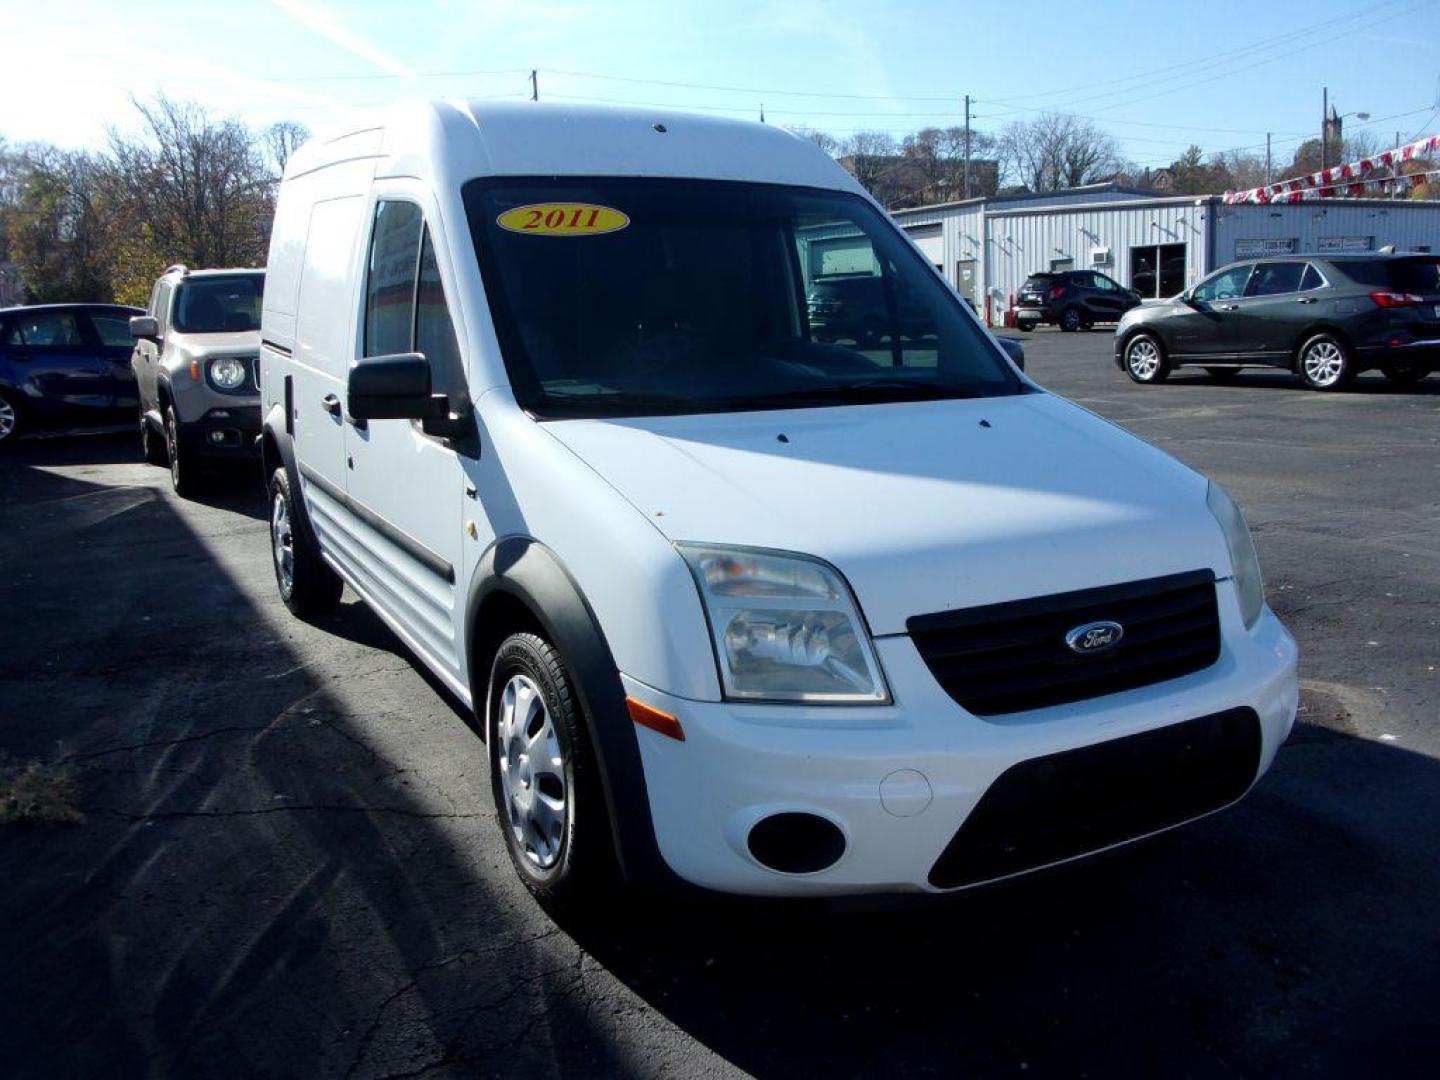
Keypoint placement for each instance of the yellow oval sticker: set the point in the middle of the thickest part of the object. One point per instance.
(563, 219)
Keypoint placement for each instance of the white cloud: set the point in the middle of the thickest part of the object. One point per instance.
(330, 27)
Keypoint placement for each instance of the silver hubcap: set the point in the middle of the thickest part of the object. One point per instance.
(1144, 359)
(532, 773)
(284, 541)
(7, 419)
(1324, 363)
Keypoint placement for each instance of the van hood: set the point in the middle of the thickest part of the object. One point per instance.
(922, 506)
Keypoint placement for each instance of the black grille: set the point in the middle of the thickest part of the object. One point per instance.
(1003, 658)
(1056, 807)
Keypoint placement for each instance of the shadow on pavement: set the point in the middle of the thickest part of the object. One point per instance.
(290, 867)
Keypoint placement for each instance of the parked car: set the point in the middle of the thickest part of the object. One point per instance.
(1326, 318)
(1072, 300)
(64, 364)
(734, 606)
(856, 309)
(195, 362)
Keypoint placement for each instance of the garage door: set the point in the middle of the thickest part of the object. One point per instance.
(927, 237)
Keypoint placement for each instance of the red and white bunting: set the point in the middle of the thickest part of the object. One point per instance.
(1352, 180)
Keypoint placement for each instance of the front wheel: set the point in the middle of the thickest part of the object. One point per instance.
(307, 585)
(1145, 360)
(1325, 363)
(12, 420)
(1405, 374)
(543, 774)
(185, 475)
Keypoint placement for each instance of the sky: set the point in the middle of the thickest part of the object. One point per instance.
(1158, 75)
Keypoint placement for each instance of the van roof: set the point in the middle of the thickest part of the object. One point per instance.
(449, 142)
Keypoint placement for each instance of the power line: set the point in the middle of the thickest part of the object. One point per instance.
(1171, 69)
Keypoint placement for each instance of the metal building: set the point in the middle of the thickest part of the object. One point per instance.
(1158, 245)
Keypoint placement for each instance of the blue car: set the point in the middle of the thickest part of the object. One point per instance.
(64, 365)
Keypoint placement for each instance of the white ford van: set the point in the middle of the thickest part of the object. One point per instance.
(745, 589)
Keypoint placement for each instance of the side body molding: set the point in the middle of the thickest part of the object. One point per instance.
(521, 569)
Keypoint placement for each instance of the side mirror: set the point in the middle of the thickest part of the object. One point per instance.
(145, 327)
(1014, 350)
(397, 387)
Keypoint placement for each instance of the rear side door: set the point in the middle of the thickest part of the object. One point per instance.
(110, 332)
(325, 314)
(408, 490)
(1208, 325)
(52, 351)
(1275, 310)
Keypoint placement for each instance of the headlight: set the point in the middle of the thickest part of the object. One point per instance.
(228, 373)
(1243, 559)
(785, 627)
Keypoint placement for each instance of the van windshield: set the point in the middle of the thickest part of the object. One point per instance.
(649, 296)
(216, 304)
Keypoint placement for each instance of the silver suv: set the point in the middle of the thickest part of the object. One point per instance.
(196, 363)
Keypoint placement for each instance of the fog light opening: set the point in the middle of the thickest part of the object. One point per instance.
(796, 843)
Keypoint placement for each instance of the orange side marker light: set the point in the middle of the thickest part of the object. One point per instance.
(654, 719)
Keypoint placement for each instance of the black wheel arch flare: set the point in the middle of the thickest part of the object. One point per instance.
(519, 570)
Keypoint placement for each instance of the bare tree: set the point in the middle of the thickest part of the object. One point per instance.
(198, 186)
(823, 139)
(1056, 150)
(279, 141)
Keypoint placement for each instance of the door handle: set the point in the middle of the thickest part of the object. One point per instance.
(1229, 307)
(331, 404)
(1306, 300)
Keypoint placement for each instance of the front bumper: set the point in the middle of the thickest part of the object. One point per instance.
(227, 433)
(898, 781)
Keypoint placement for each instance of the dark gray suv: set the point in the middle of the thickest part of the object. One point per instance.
(1326, 318)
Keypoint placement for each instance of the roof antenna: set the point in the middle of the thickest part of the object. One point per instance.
(762, 112)
(534, 85)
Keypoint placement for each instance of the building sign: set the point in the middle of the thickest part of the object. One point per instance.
(1333, 244)
(1249, 249)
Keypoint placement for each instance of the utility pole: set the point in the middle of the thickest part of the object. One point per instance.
(967, 146)
(1324, 128)
(1269, 175)
(534, 85)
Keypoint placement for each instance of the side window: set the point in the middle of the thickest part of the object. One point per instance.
(10, 333)
(1226, 285)
(1311, 279)
(434, 332)
(112, 330)
(52, 329)
(162, 305)
(1274, 279)
(390, 281)
(1104, 284)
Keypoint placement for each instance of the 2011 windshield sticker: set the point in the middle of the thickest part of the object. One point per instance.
(563, 219)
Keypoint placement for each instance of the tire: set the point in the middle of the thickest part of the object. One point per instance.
(12, 419)
(1025, 326)
(307, 585)
(870, 334)
(152, 447)
(1071, 320)
(185, 476)
(1405, 374)
(543, 776)
(1223, 374)
(1324, 363)
(1145, 361)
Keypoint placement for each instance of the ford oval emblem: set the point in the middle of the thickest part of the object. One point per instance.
(1094, 637)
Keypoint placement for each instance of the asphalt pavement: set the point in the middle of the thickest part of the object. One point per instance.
(288, 864)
